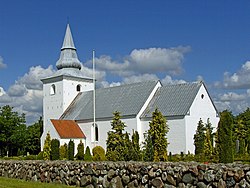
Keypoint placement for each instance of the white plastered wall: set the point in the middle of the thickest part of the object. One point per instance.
(201, 108)
(176, 135)
(103, 128)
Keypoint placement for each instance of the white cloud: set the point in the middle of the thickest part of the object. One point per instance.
(17, 90)
(154, 60)
(2, 65)
(232, 96)
(168, 80)
(140, 78)
(2, 92)
(237, 80)
(144, 61)
(32, 79)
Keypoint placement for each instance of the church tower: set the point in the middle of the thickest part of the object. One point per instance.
(60, 89)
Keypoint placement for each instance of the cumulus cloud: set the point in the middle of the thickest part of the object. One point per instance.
(2, 65)
(26, 94)
(144, 61)
(168, 80)
(237, 80)
(32, 79)
(155, 60)
(232, 96)
(2, 92)
(17, 90)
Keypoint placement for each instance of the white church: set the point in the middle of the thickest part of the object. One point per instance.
(68, 106)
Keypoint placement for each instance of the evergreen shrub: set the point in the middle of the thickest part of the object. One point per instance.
(63, 150)
(71, 151)
(40, 155)
(80, 151)
(87, 155)
(98, 154)
(55, 144)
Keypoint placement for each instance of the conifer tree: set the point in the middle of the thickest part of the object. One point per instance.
(63, 151)
(116, 140)
(136, 152)
(225, 144)
(208, 148)
(47, 147)
(71, 148)
(199, 138)
(55, 144)
(157, 132)
(87, 155)
(148, 151)
(80, 151)
(127, 148)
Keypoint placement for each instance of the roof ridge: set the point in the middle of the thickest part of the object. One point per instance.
(130, 84)
(186, 83)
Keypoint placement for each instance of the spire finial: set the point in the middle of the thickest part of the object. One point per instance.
(68, 57)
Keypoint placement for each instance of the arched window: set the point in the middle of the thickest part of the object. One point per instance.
(78, 88)
(95, 133)
(52, 89)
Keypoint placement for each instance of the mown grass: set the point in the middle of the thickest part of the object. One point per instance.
(17, 183)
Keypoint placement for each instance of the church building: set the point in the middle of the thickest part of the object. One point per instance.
(68, 106)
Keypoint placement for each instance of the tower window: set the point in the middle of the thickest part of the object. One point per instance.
(52, 89)
(78, 88)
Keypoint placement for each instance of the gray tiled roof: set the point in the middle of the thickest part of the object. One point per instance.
(173, 100)
(127, 99)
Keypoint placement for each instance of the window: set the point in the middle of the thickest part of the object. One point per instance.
(52, 89)
(202, 96)
(78, 88)
(95, 133)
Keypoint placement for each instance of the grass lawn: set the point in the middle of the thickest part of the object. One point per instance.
(17, 183)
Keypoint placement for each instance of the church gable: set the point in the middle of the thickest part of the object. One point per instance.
(67, 129)
(173, 99)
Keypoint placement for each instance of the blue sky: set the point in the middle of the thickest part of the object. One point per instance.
(175, 41)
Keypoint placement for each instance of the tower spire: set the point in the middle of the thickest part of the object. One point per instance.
(68, 57)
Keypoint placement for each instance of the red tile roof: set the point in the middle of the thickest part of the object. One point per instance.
(67, 129)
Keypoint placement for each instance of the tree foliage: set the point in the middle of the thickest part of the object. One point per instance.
(199, 138)
(63, 150)
(34, 133)
(55, 144)
(157, 136)
(87, 155)
(12, 131)
(71, 150)
(225, 144)
(80, 151)
(136, 154)
(98, 154)
(47, 148)
(116, 144)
